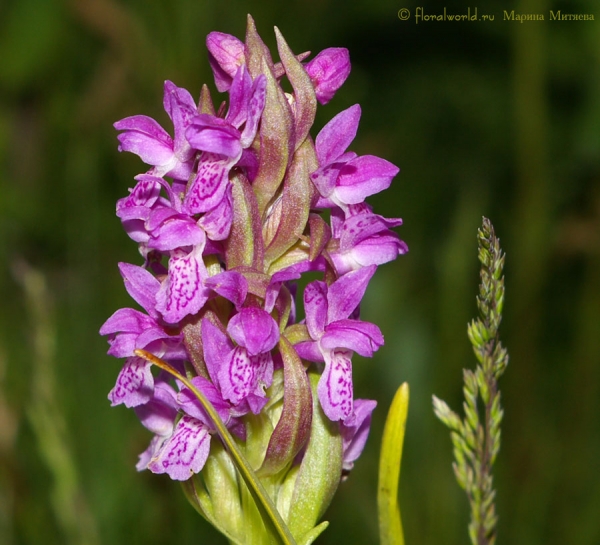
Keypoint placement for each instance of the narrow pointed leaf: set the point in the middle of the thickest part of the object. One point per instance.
(244, 247)
(200, 499)
(293, 428)
(276, 126)
(390, 522)
(295, 203)
(205, 104)
(320, 234)
(256, 50)
(320, 471)
(304, 92)
(192, 339)
(309, 537)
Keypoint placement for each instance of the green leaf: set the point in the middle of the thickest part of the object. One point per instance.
(205, 103)
(304, 92)
(276, 132)
(390, 522)
(293, 428)
(320, 472)
(309, 537)
(290, 213)
(244, 246)
(215, 495)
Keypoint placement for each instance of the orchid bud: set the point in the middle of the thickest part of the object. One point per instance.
(328, 72)
(226, 55)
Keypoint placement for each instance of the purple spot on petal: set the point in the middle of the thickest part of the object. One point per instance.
(185, 452)
(135, 384)
(335, 387)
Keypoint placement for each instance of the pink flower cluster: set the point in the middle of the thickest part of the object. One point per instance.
(237, 204)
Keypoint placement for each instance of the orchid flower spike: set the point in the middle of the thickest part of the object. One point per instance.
(234, 208)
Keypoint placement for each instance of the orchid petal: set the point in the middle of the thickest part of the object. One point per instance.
(229, 284)
(141, 285)
(160, 215)
(122, 345)
(263, 366)
(345, 294)
(226, 55)
(209, 186)
(145, 137)
(335, 385)
(180, 107)
(328, 71)
(135, 384)
(146, 456)
(135, 228)
(127, 320)
(214, 135)
(255, 110)
(375, 250)
(144, 194)
(361, 226)
(177, 232)
(147, 340)
(239, 95)
(216, 346)
(159, 414)
(237, 376)
(315, 307)
(185, 452)
(309, 351)
(335, 137)
(146, 125)
(190, 404)
(355, 430)
(361, 337)
(183, 293)
(362, 177)
(325, 179)
(217, 221)
(254, 329)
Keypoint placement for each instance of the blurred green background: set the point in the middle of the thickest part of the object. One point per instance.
(491, 118)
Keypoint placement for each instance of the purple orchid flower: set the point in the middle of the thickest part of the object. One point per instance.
(179, 447)
(242, 372)
(328, 72)
(158, 415)
(184, 452)
(355, 430)
(183, 292)
(226, 54)
(343, 178)
(143, 136)
(223, 141)
(130, 329)
(363, 239)
(135, 209)
(335, 336)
